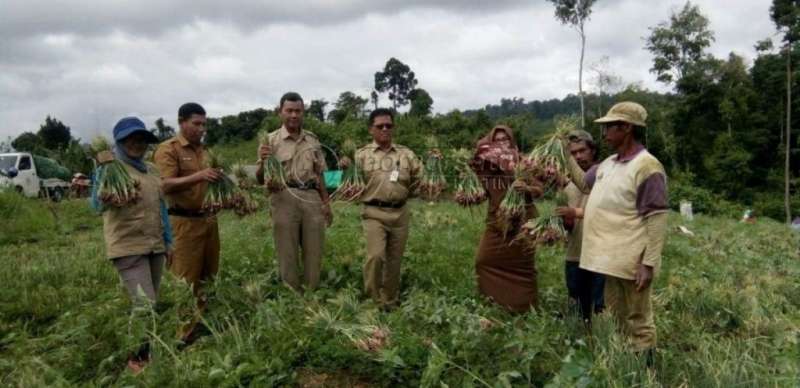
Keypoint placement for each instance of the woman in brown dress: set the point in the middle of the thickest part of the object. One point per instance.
(506, 271)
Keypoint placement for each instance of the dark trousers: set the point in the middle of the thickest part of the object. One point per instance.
(585, 288)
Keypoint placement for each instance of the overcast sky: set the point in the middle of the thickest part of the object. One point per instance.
(89, 63)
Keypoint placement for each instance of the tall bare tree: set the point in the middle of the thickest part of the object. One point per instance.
(605, 81)
(786, 16)
(575, 13)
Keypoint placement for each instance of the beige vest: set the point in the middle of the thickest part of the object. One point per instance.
(136, 229)
(614, 235)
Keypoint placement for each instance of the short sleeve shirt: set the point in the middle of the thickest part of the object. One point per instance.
(378, 166)
(301, 155)
(177, 158)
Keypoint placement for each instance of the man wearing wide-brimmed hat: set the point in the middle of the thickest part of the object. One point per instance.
(625, 222)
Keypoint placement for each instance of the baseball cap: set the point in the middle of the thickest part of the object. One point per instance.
(629, 112)
(130, 125)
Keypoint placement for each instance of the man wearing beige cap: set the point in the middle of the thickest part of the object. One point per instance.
(625, 222)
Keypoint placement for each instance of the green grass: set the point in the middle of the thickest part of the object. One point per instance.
(240, 152)
(727, 307)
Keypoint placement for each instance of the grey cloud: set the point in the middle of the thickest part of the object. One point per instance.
(153, 17)
(87, 65)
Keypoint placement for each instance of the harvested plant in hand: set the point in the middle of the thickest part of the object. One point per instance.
(116, 187)
(548, 161)
(546, 229)
(512, 208)
(433, 182)
(223, 193)
(274, 175)
(469, 191)
(352, 186)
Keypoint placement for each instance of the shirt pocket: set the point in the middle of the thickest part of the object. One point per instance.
(404, 171)
(188, 164)
(284, 152)
(301, 165)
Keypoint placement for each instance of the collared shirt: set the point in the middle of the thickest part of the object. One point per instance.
(177, 158)
(378, 166)
(301, 154)
(652, 192)
(615, 233)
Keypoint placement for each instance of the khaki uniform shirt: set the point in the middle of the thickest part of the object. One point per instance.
(136, 229)
(177, 158)
(301, 157)
(575, 199)
(378, 166)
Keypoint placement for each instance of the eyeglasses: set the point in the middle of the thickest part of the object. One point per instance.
(608, 126)
(384, 127)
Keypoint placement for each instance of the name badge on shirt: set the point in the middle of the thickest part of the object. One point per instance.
(394, 175)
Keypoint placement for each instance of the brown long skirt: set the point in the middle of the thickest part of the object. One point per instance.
(506, 272)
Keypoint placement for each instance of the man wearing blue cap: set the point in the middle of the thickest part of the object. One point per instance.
(183, 163)
(137, 235)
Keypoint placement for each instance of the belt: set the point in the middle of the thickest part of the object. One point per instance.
(393, 205)
(309, 185)
(186, 213)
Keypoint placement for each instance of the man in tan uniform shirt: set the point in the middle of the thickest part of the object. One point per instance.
(301, 211)
(182, 161)
(391, 172)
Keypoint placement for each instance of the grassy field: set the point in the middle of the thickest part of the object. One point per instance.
(727, 309)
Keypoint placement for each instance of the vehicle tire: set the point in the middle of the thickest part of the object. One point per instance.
(18, 189)
(57, 194)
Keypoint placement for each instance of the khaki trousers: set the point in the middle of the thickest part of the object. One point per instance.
(632, 311)
(386, 231)
(195, 258)
(298, 221)
(141, 275)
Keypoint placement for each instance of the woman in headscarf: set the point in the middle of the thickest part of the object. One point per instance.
(506, 270)
(137, 235)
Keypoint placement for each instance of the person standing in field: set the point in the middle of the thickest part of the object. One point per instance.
(585, 288)
(301, 211)
(137, 236)
(392, 172)
(625, 222)
(506, 269)
(183, 163)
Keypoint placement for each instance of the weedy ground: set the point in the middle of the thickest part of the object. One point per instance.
(727, 306)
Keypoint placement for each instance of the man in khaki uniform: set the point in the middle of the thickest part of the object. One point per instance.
(391, 172)
(585, 288)
(625, 222)
(301, 211)
(182, 161)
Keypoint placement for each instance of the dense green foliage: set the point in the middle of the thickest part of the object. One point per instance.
(727, 309)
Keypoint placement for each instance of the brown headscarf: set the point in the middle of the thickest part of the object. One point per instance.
(489, 138)
(485, 146)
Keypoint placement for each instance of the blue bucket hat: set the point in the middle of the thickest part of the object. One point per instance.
(130, 125)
